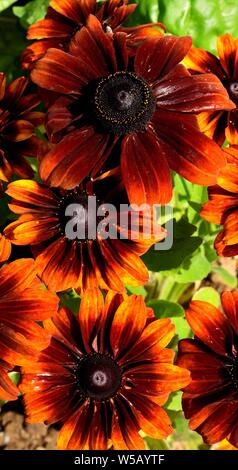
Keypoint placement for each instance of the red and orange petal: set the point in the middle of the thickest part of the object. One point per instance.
(227, 51)
(17, 127)
(63, 19)
(5, 249)
(8, 390)
(210, 401)
(110, 263)
(50, 388)
(171, 137)
(219, 125)
(222, 207)
(23, 302)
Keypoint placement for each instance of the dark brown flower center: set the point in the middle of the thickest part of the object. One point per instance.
(233, 91)
(124, 103)
(77, 213)
(232, 370)
(99, 376)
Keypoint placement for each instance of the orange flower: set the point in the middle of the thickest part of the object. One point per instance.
(141, 107)
(64, 18)
(219, 124)
(22, 304)
(105, 375)
(210, 401)
(222, 207)
(17, 125)
(82, 262)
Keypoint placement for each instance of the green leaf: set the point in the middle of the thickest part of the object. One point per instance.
(194, 268)
(15, 377)
(70, 300)
(182, 438)
(137, 290)
(147, 11)
(183, 245)
(4, 4)
(31, 12)
(155, 444)
(174, 402)
(182, 328)
(229, 279)
(163, 308)
(208, 294)
(12, 43)
(204, 20)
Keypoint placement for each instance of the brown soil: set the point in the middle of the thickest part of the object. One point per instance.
(15, 434)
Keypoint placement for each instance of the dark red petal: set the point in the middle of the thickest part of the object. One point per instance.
(153, 420)
(14, 92)
(207, 369)
(145, 170)
(95, 49)
(222, 248)
(158, 56)
(91, 316)
(70, 161)
(36, 51)
(2, 85)
(230, 306)
(73, 9)
(32, 304)
(121, 14)
(125, 428)
(126, 326)
(49, 28)
(29, 194)
(18, 130)
(204, 62)
(188, 150)
(59, 265)
(227, 51)
(16, 276)
(193, 94)
(210, 326)
(63, 73)
(74, 433)
(213, 125)
(216, 421)
(232, 129)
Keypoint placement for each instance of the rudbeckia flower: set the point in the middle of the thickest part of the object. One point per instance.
(144, 107)
(222, 207)
(105, 375)
(219, 125)
(87, 260)
(22, 304)
(65, 17)
(210, 401)
(17, 125)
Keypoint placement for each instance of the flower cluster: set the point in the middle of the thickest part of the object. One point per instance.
(124, 109)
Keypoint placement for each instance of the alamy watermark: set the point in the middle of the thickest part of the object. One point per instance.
(128, 222)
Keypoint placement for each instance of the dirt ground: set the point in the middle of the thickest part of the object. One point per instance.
(17, 435)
